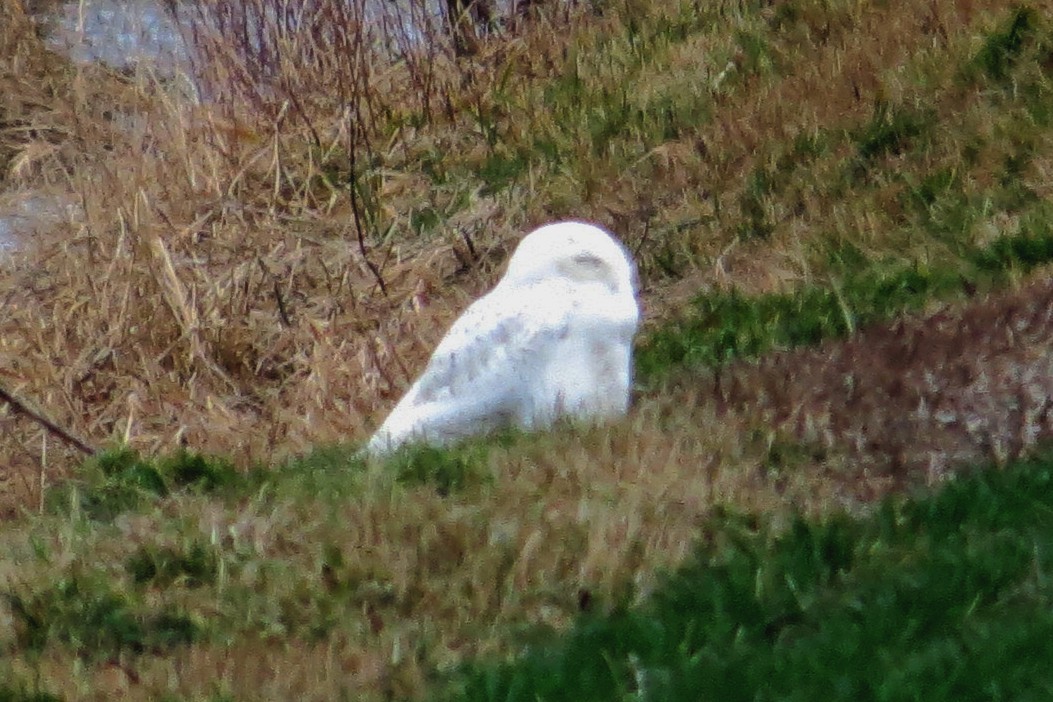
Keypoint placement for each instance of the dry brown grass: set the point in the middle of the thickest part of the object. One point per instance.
(434, 580)
(210, 288)
(839, 67)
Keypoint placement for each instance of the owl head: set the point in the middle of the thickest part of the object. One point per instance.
(583, 253)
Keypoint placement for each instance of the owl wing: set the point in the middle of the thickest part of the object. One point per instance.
(480, 375)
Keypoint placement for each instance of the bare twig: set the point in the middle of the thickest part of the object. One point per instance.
(24, 407)
(282, 311)
(357, 206)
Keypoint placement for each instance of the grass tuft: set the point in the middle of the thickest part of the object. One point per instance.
(200, 474)
(1002, 48)
(122, 480)
(447, 470)
(191, 567)
(95, 621)
(891, 131)
(23, 694)
(115, 482)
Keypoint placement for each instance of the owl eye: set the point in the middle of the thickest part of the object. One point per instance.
(587, 259)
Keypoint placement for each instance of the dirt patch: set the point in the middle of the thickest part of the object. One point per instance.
(914, 399)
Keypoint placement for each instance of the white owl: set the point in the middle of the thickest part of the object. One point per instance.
(552, 339)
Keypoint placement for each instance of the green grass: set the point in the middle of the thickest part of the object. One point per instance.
(193, 566)
(94, 610)
(120, 479)
(1003, 47)
(447, 470)
(96, 621)
(942, 597)
(928, 251)
(21, 694)
(721, 327)
(892, 131)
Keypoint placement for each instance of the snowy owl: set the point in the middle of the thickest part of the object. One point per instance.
(552, 339)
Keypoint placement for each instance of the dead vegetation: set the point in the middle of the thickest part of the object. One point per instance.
(256, 274)
(213, 286)
(266, 270)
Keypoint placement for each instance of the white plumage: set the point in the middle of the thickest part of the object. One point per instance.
(552, 339)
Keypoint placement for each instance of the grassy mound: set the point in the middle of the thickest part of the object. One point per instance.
(944, 597)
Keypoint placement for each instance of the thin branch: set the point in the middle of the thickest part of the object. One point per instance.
(282, 312)
(357, 206)
(23, 407)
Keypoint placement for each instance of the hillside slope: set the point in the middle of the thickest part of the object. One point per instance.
(839, 209)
